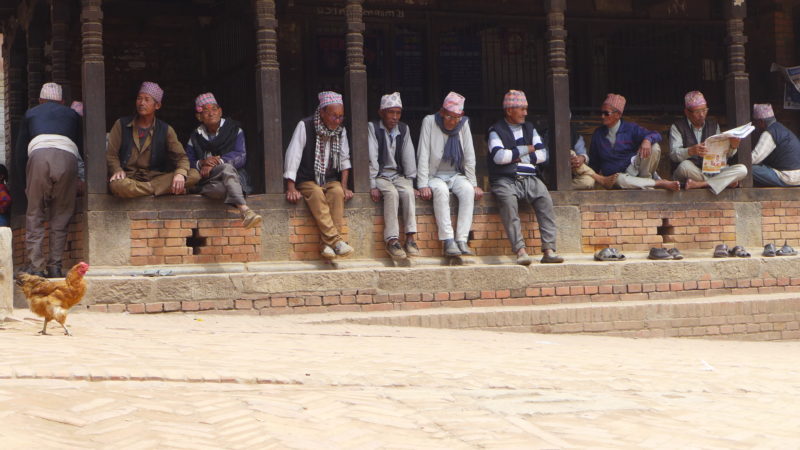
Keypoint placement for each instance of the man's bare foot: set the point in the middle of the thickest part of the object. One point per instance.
(735, 184)
(607, 182)
(692, 184)
(669, 185)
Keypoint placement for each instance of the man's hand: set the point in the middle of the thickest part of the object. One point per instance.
(416, 193)
(478, 193)
(117, 176)
(348, 194)
(697, 150)
(205, 171)
(178, 184)
(577, 161)
(375, 193)
(734, 142)
(211, 161)
(645, 149)
(425, 193)
(292, 194)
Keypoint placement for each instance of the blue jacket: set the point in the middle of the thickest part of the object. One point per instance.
(608, 160)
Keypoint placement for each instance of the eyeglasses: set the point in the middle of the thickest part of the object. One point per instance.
(451, 117)
(605, 113)
(699, 111)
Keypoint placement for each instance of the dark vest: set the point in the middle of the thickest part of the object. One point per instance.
(507, 137)
(687, 133)
(380, 135)
(158, 146)
(786, 155)
(306, 170)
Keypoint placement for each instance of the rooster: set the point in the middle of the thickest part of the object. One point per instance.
(52, 299)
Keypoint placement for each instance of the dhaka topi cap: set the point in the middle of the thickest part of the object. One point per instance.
(77, 107)
(391, 101)
(762, 111)
(515, 99)
(50, 91)
(329, 98)
(454, 103)
(153, 90)
(615, 101)
(203, 100)
(694, 99)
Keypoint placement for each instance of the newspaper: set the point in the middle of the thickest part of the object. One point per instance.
(718, 148)
(791, 87)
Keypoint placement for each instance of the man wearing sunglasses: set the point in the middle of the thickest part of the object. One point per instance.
(687, 147)
(445, 163)
(625, 148)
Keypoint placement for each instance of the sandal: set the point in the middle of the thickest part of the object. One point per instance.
(721, 251)
(786, 250)
(676, 254)
(658, 254)
(739, 252)
(609, 254)
(769, 250)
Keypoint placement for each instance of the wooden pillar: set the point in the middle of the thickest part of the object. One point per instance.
(558, 93)
(16, 89)
(59, 55)
(35, 66)
(268, 103)
(356, 95)
(93, 82)
(737, 82)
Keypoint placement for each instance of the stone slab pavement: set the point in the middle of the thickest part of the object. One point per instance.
(175, 381)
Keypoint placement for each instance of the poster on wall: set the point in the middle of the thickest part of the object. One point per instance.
(791, 87)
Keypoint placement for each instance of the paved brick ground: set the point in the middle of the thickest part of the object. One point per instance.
(210, 381)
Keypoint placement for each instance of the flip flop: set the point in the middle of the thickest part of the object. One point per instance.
(721, 251)
(769, 250)
(658, 254)
(676, 254)
(739, 252)
(786, 250)
(609, 254)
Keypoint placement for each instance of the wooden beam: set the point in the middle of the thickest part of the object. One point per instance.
(737, 81)
(268, 103)
(558, 93)
(356, 94)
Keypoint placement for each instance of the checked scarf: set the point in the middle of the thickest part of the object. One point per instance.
(323, 135)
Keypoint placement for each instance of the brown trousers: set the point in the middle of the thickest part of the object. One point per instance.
(159, 184)
(51, 187)
(326, 204)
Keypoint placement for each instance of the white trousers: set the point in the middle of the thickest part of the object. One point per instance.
(465, 192)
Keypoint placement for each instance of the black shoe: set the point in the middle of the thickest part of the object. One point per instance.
(658, 254)
(54, 272)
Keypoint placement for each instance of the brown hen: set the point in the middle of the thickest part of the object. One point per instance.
(53, 299)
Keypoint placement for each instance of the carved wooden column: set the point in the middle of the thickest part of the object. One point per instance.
(356, 94)
(93, 82)
(737, 82)
(558, 93)
(35, 54)
(59, 55)
(268, 85)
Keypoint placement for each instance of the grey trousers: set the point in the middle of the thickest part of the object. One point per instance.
(717, 183)
(51, 187)
(223, 183)
(639, 174)
(508, 192)
(465, 193)
(397, 192)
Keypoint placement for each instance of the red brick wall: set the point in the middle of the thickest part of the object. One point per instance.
(780, 221)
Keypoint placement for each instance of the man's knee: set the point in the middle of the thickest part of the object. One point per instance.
(193, 177)
(125, 188)
(390, 193)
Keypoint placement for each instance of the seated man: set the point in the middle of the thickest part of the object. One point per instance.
(445, 162)
(317, 169)
(144, 156)
(776, 157)
(217, 150)
(687, 146)
(392, 170)
(583, 177)
(515, 149)
(624, 148)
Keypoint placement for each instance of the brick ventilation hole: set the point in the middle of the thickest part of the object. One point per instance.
(195, 241)
(666, 231)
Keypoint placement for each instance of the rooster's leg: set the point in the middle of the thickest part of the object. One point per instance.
(44, 328)
(66, 331)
